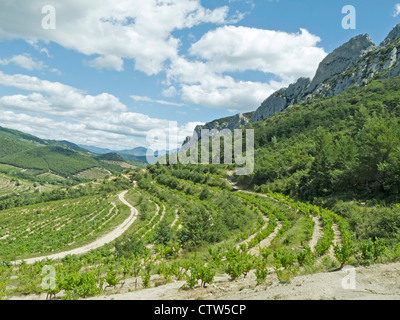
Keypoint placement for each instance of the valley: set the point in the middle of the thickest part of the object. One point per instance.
(231, 244)
(323, 197)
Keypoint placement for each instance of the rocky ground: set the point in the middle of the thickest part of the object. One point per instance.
(376, 282)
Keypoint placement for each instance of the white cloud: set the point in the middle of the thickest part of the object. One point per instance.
(170, 92)
(115, 135)
(203, 80)
(55, 70)
(231, 95)
(45, 51)
(148, 99)
(133, 29)
(54, 98)
(289, 55)
(57, 111)
(107, 62)
(143, 31)
(24, 61)
(396, 10)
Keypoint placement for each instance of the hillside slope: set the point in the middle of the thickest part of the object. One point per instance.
(347, 146)
(50, 159)
(39, 156)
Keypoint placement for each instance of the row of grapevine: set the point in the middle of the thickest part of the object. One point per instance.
(46, 228)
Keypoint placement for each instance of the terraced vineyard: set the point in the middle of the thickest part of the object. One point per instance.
(184, 230)
(11, 185)
(46, 228)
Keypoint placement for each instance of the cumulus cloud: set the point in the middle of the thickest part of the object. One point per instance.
(57, 111)
(106, 62)
(24, 61)
(143, 32)
(54, 98)
(133, 29)
(231, 95)
(232, 48)
(203, 79)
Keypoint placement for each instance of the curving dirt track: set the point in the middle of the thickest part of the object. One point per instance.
(109, 237)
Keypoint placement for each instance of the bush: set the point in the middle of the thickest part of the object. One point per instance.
(128, 246)
(344, 252)
(371, 250)
(80, 285)
(261, 272)
(305, 257)
(199, 271)
(284, 258)
(367, 251)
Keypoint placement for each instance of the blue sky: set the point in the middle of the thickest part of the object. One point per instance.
(109, 74)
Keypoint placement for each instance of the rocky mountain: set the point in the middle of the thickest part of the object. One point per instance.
(355, 63)
(230, 123)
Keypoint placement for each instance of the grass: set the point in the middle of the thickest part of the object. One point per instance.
(295, 237)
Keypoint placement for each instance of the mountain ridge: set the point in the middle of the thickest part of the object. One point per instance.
(353, 64)
(37, 156)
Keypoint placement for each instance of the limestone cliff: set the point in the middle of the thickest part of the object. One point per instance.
(355, 63)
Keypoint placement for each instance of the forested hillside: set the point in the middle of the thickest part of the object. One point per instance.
(30, 157)
(346, 147)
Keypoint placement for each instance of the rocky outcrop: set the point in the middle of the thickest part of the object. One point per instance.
(341, 59)
(281, 99)
(392, 36)
(355, 63)
(211, 129)
(238, 121)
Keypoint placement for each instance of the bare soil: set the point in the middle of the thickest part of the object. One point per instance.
(376, 282)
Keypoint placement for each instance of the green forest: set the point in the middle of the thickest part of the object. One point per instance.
(346, 147)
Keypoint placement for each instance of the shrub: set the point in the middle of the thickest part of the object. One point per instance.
(305, 257)
(344, 252)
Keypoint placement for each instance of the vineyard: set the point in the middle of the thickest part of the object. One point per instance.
(185, 230)
(48, 228)
(10, 185)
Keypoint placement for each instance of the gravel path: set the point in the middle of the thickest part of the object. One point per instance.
(255, 251)
(317, 233)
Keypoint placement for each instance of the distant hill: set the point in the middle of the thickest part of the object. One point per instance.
(96, 150)
(68, 145)
(138, 152)
(136, 156)
(38, 156)
(12, 141)
(110, 157)
(58, 160)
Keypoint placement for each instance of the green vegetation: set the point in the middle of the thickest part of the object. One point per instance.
(335, 161)
(43, 229)
(61, 161)
(185, 231)
(343, 147)
(46, 161)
